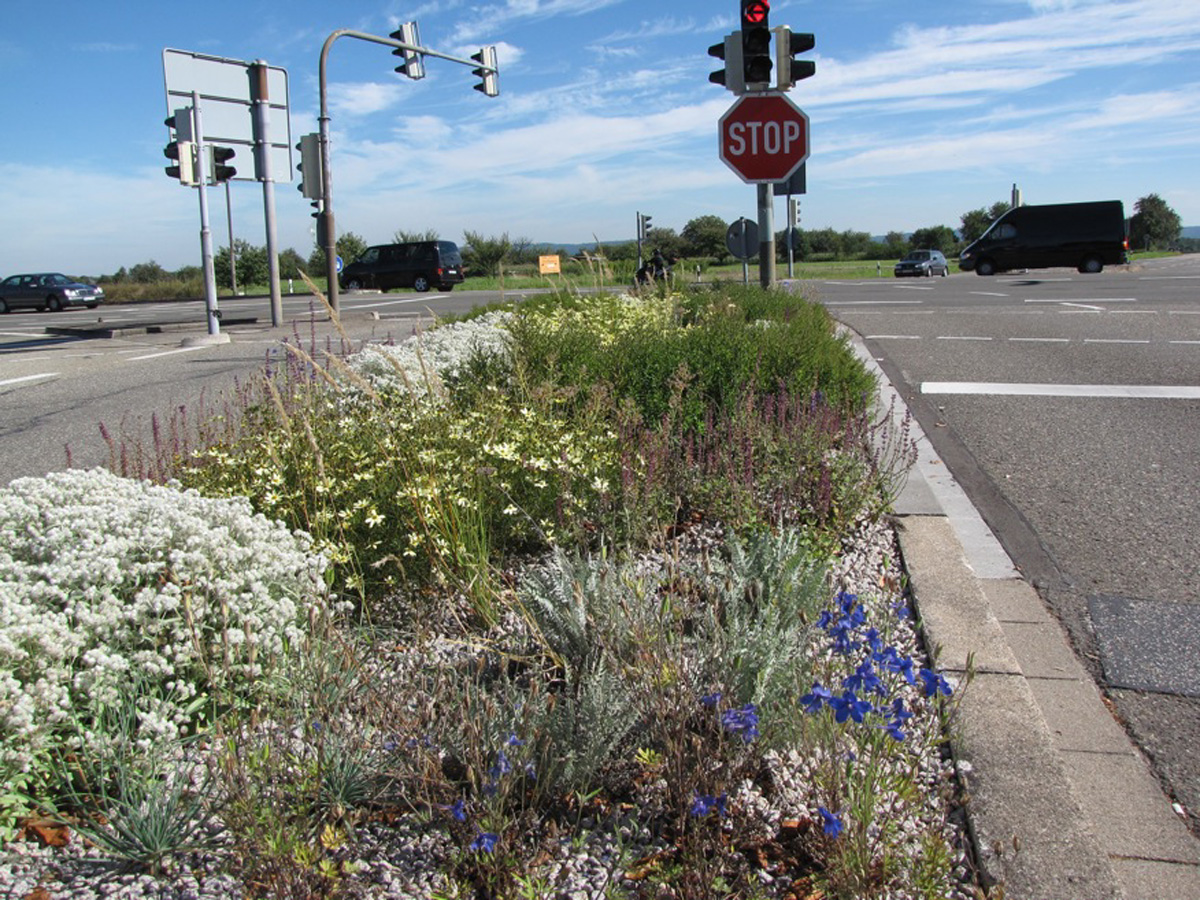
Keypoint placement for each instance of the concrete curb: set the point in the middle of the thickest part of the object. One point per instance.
(1061, 805)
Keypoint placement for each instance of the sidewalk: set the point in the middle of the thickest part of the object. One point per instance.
(1061, 805)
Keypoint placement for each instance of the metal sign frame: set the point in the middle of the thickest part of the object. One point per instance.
(227, 103)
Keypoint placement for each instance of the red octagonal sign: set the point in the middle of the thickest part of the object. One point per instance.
(764, 137)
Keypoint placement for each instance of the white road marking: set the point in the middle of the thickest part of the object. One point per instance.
(28, 378)
(1076, 300)
(893, 337)
(961, 337)
(1136, 391)
(874, 303)
(424, 298)
(167, 353)
(1040, 340)
(1113, 341)
(987, 294)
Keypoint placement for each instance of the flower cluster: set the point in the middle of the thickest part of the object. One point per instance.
(422, 363)
(108, 583)
(865, 692)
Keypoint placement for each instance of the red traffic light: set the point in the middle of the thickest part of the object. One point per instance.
(755, 12)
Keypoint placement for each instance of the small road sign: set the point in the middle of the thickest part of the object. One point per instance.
(764, 138)
(741, 239)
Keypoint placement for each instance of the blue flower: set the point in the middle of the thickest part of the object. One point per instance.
(459, 810)
(484, 841)
(892, 661)
(514, 741)
(873, 640)
(704, 804)
(831, 823)
(864, 679)
(848, 706)
(501, 767)
(935, 684)
(815, 698)
(742, 722)
(711, 700)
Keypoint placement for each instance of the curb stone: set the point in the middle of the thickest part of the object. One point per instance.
(1060, 804)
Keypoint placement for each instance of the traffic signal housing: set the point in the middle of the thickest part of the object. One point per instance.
(757, 44)
(219, 158)
(489, 82)
(181, 149)
(789, 70)
(312, 176)
(733, 75)
(643, 224)
(414, 62)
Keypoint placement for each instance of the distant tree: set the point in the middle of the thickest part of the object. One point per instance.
(484, 255)
(854, 244)
(188, 273)
(705, 236)
(824, 242)
(1154, 224)
(411, 237)
(665, 240)
(252, 268)
(896, 245)
(936, 237)
(977, 221)
(621, 251)
(522, 251)
(148, 273)
(350, 247)
(291, 263)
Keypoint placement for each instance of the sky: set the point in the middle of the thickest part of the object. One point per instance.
(919, 112)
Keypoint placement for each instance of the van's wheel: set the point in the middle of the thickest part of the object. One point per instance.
(1091, 265)
(354, 285)
(421, 283)
(985, 267)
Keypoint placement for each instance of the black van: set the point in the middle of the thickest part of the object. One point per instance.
(420, 265)
(1084, 236)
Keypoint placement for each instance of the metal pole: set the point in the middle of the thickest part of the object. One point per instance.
(326, 233)
(232, 254)
(791, 236)
(766, 236)
(262, 150)
(206, 252)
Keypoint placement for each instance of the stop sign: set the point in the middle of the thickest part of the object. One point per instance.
(764, 137)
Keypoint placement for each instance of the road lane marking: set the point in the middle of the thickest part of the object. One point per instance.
(874, 303)
(9, 381)
(1040, 340)
(1002, 389)
(893, 337)
(961, 337)
(167, 353)
(422, 299)
(1113, 341)
(1077, 300)
(989, 294)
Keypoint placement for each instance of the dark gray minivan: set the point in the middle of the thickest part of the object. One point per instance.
(420, 265)
(1083, 236)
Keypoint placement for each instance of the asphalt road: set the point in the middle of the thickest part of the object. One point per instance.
(58, 390)
(1068, 406)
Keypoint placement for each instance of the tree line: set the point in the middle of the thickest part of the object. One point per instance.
(1154, 225)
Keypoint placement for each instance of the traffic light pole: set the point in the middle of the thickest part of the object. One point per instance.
(326, 231)
(206, 251)
(766, 235)
(262, 107)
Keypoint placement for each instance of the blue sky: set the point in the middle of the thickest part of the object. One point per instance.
(919, 112)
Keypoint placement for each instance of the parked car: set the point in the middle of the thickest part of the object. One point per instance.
(420, 265)
(923, 262)
(47, 290)
(1084, 236)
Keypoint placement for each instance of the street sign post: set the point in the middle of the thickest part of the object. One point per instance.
(764, 138)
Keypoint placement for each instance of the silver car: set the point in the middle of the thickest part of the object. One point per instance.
(923, 262)
(47, 290)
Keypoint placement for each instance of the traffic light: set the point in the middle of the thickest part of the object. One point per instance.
(487, 72)
(218, 157)
(414, 62)
(757, 44)
(181, 149)
(732, 76)
(789, 70)
(312, 180)
(643, 227)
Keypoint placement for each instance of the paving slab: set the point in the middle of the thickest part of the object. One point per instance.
(1148, 645)
(1142, 879)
